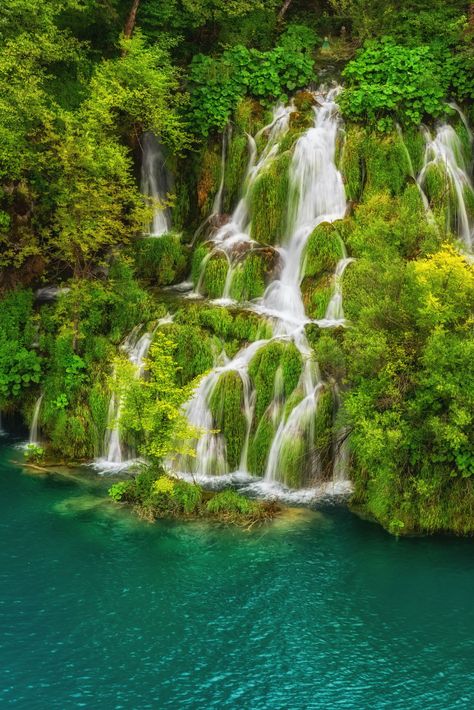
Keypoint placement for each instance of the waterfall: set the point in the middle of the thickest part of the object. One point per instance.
(155, 184)
(34, 427)
(316, 195)
(237, 229)
(444, 151)
(116, 454)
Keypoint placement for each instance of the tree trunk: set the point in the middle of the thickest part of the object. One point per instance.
(132, 18)
(283, 10)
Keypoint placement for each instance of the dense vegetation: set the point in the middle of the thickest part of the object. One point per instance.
(82, 80)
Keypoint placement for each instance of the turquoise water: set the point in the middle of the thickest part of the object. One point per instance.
(322, 610)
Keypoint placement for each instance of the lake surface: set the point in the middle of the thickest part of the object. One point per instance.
(321, 610)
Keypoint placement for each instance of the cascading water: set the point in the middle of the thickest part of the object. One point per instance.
(316, 195)
(155, 184)
(444, 151)
(34, 427)
(116, 454)
(238, 228)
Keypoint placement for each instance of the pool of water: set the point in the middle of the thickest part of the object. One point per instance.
(319, 610)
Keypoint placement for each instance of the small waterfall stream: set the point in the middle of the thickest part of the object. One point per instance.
(116, 454)
(316, 195)
(237, 229)
(445, 152)
(155, 184)
(34, 426)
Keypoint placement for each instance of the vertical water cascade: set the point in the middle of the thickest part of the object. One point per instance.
(444, 152)
(155, 184)
(316, 195)
(34, 426)
(116, 454)
(237, 229)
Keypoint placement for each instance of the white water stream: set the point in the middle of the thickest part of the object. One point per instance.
(316, 195)
(154, 184)
(444, 151)
(34, 426)
(117, 455)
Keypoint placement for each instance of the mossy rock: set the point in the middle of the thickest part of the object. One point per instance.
(195, 350)
(323, 250)
(293, 461)
(249, 115)
(227, 408)
(317, 295)
(259, 446)
(301, 119)
(264, 366)
(252, 274)
(268, 202)
(323, 432)
(161, 261)
(215, 274)
(415, 145)
(387, 164)
(209, 178)
(352, 164)
(237, 158)
(327, 344)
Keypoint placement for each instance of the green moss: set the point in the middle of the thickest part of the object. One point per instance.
(98, 402)
(209, 178)
(227, 407)
(292, 461)
(323, 250)
(214, 276)
(235, 167)
(251, 274)
(268, 202)
(263, 368)
(323, 432)
(260, 445)
(352, 162)
(317, 295)
(387, 164)
(230, 502)
(199, 254)
(415, 145)
(195, 350)
(328, 351)
(161, 260)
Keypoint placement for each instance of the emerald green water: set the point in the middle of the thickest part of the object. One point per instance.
(99, 610)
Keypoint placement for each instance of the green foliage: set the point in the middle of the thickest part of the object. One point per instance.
(317, 295)
(121, 490)
(389, 81)
(152, 406)
(160, 260)
(410, 408)
(34, 453)
(20, 363)
(217, 84)
(230, 502)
